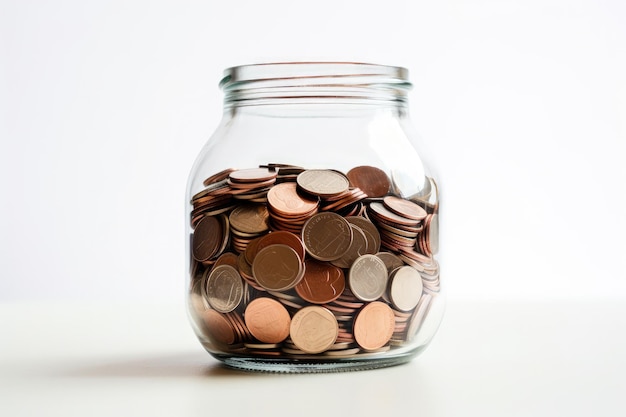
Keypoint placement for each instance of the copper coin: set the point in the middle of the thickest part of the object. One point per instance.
(323, 182)
(379, 210)
(405, 288)
(224, 288)
(208, 237)
(219, 327)
(374, 325)
(322, 283)
(277, 268)
(252, 175)
(373, 181)
(220, 176)
(284, 199)
(358, 247)
(250, 218)
(267, 320)
(284, 238)
(404, 208)
(368, 277)
(327, 236)
(314, 329)
(371, 232)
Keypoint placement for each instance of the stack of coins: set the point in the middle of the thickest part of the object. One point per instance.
(292, 262)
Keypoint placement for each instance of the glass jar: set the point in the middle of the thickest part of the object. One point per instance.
(312, 219)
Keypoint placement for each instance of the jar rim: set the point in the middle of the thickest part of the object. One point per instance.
(333, 72)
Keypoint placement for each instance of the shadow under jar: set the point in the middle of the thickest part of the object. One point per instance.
(313, 222)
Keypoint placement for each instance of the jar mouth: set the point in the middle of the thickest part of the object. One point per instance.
(314, 81)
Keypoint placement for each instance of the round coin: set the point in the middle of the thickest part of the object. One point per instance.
(277, 268)
(322, 283)
(219, 327)
(323, 182)
(327, 236)
(314, 329)
(374, 325)
(371, 180)
(250, 218)
(405, 288)
(404, 208)
(285, 238)
(284, 199)
(267, 320)
(368, 277)
(224, 288)
(371, 232)
(252, 175)
(207, 238)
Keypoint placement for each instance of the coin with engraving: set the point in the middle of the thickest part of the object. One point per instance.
(314, 329)
(373, 181)
(371, 232)
(374, 325)
(322, 283)
(250, 218)
(368, 277)
(285, 238)
(284, 199)
(358, 247)
(327, 236)
(405, 288)
(208, 237)
(323, 182)
(224, 288)
(277, 268)
(267, 320)
(404, 208)
(219, 327)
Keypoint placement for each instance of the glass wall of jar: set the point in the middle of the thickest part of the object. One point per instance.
(312, 222)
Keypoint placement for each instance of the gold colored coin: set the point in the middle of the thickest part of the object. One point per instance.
(374, 325)
(250, 218)
(314, 329)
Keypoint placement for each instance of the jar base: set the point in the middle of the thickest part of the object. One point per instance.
(316, 365)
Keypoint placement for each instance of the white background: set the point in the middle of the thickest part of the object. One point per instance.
(104, 105)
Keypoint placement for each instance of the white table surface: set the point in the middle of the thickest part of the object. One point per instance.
(543, 358)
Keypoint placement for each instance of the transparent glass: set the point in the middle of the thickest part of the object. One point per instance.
(312, 222)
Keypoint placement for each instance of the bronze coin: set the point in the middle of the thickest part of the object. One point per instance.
(284, 199)
(379, 210)
(374, 325)
(322, 283)
(368, 277)
(277, 268)
(250, 218)
(267, 320)
(327, 236)
(373, 181)
(314, 329)
(358, 247)
(405, 288)
(371, 232)
(252, 175)
(224, 288)
(219, 327)
(284, 238)
(404, 208)
(208, 237)
(323, 182)
(220, 176)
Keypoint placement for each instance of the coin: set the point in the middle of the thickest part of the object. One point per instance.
(207, 238)
(327, 236)
(323, 182)
(284, 199)
(368, 277)
(322, 283)
(285, 238)
(219, 327)
(277, 268)
(374, 325)
(314, 329)
(371, 232)
(267, 320)
(358, 247)
(220, 176)
(391, 261)
(224, 288)
(405, 288)
(250, 218)
(252, 175)
(404, 208)
(373, 181)
(378, 210)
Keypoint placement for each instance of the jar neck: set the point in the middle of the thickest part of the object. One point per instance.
(308, 86)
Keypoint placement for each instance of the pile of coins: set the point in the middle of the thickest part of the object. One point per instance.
(295, 262)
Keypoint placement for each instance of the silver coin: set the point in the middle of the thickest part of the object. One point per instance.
(224, 288)
(405, 288)
(368, 277)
